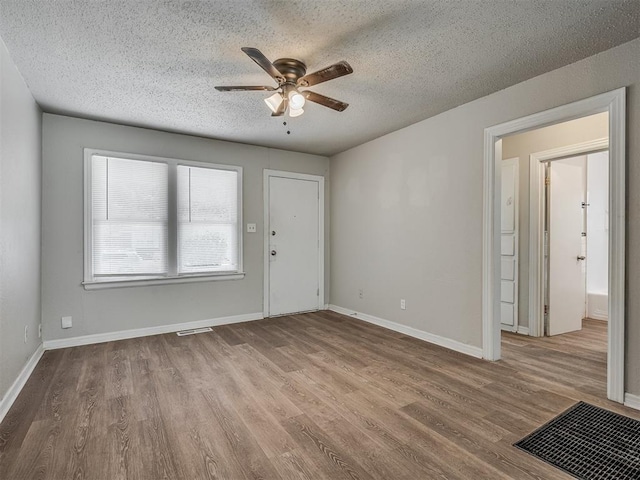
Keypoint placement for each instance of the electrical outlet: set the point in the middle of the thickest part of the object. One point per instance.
(39, 330)
(251, 228)
(360, 293)
(67, 322)
(26, 333)
(403, 304)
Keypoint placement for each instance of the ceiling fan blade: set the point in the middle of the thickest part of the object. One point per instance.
(257, 56)
(334, 71)
(242, 89)
(325, 101)
(282, 108)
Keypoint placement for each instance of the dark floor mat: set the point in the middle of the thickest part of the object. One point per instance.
(588, 442)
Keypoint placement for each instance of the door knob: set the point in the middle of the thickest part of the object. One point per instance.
(273, 253)
(581, 257)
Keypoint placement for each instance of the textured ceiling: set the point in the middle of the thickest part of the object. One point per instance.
(155, 63)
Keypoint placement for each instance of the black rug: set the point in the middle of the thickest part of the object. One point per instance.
(588, 442)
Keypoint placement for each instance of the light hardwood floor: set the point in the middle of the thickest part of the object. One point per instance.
(315, 396)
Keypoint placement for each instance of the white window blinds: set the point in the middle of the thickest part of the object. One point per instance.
(152, 218)
(207, 220)
(129, 213)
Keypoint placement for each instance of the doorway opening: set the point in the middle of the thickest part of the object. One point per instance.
(563, 211)
(525, 313)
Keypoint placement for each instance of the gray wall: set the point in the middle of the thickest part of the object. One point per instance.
(524, 144)
(20, 215)
(406, 208)
(137, 307)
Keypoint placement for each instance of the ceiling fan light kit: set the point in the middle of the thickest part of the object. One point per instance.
(291, 74)
(274, 101)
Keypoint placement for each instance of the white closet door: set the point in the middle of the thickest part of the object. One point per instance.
(509, 250)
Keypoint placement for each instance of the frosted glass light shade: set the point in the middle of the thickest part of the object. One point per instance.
(274, 102)
(296, 100)
(295, 112)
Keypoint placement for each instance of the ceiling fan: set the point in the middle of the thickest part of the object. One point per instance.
(291, 74)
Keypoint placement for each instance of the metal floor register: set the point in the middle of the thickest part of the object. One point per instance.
(588, 442)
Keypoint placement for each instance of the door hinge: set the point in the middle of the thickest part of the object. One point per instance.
(547, 180)
(546, 309)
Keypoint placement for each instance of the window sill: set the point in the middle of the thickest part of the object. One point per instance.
(100, 285)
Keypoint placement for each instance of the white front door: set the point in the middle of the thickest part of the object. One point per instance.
(293, 230)
(567, 287)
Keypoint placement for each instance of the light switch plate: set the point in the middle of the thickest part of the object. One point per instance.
(251, 228)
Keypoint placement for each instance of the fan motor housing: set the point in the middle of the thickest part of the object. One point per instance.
(290, 68)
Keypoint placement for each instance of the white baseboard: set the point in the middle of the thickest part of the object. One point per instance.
(632, 401)
(412, 332)
(18, 384)
(523, 330)
(145, 332)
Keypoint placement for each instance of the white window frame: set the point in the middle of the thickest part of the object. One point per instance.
(90, 283)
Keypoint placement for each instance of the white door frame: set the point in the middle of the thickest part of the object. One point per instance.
(614, 103)
(267, 265)
(536, 223)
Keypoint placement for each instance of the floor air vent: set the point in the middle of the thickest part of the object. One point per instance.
(193, 331)
(590, 443)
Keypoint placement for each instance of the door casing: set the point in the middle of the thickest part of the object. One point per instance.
(613, 102)
(266, 185)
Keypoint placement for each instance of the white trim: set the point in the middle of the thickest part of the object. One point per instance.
(412, 332)
(172, 222)
(145, 332)
(14, 390)
(523, 330)
(632, 401)
(297, 176)
(614, 103)
(536, 222)
(162, 281)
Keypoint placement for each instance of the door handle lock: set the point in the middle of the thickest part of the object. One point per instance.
(581, 257)
(273, 253)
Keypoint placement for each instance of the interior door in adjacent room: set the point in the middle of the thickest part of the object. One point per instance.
(509, 246)
(294, 264)
(566, 245)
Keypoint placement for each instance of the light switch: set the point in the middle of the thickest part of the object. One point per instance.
(251, 228)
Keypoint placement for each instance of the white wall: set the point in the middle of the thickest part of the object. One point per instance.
(522, 145)
(598, 235)
(598, 222)
(119, 309)
(406, 208)
(20, 215)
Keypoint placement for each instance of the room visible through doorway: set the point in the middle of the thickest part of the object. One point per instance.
(554, 231)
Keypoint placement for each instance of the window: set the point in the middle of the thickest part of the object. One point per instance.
(155, 220)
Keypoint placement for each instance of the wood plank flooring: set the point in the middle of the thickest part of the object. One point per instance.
(313, 396)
